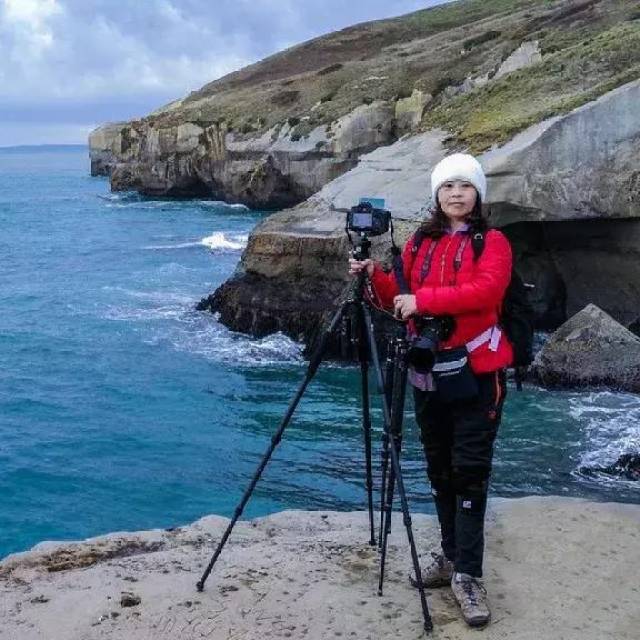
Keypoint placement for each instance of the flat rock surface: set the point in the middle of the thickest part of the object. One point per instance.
(556, 568)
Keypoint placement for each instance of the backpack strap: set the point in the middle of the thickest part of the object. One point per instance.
(426, 265)
(457, 262)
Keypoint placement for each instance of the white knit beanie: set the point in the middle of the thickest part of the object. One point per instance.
(458, 166)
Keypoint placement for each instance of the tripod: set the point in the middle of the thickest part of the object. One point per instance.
(392, 386)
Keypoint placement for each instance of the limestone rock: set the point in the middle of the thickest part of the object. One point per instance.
(591, 349)
(526, 54)
(581, 165)
(276, 169)
(312, 575)
(105, 144)
(409, 111)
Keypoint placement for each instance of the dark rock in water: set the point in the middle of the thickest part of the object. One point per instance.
(590, 349)
(626, 467)
(255, 304)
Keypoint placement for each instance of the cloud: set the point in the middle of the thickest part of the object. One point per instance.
(81, 61)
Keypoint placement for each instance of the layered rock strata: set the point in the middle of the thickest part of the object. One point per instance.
(274, 170)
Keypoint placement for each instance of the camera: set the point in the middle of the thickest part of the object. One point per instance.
(424, 346)
(369, 217)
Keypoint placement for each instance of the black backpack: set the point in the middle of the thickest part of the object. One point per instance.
(516, 316)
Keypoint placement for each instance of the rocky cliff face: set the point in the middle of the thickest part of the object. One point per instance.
(565, 191)
(274, 170)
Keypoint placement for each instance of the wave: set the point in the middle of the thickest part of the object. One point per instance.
(611, 428)
(204, 336)
(170, 319)
(222, 204)
(216, 242)
(129, 199)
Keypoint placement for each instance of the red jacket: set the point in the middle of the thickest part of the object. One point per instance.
(473, 295)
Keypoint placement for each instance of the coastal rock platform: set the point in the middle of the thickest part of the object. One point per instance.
(555, 568)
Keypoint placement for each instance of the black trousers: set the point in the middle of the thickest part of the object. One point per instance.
(458, 445)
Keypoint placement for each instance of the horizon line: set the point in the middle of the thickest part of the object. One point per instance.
(44, 144)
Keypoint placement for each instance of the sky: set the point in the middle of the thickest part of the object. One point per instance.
(67, 66)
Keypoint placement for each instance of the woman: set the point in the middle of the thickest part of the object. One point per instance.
(448, 276)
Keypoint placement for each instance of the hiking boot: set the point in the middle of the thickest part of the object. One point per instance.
(437, 573)
(472, 598)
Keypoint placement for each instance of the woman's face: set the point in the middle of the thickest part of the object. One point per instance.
(457, 199)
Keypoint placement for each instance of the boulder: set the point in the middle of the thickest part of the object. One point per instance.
(589, 349)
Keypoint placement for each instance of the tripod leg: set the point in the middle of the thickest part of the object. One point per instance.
(395, 443)
(388, 386)
(366, 419)
(395, 465)
(275, 440)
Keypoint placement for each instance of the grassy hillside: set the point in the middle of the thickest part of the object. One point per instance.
(588, 47)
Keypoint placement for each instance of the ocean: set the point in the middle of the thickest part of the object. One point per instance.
(124, 408)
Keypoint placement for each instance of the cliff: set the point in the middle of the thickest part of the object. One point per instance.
(555, 568)
(274, 133)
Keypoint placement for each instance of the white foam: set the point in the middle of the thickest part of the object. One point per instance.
(196, 332)
(169, 247)
(610, 424)
(222, 205)
(203, 335)
(136, 314)
(175, 297)
(129, 199)
(218, 241)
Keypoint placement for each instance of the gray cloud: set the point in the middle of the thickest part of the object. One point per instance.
(74, 63)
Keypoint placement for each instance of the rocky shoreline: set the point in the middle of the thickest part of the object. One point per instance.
(555, 564)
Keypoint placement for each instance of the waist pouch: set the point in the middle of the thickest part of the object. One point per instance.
(453, 377)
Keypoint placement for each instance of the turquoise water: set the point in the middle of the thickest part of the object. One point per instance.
(123, 408)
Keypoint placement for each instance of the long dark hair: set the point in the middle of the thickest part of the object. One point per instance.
(437, 226)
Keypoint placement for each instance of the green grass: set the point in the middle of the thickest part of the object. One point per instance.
(588, 46)
(561, 82)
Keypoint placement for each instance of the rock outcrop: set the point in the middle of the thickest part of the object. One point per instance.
(626, 467)
(275, 170)
(312, 575)
(590, 349)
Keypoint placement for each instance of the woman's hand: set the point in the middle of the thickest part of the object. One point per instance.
(356, 266)
(405, 306)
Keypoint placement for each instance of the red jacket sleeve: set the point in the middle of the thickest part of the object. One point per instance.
(385, 285)
(486, 290)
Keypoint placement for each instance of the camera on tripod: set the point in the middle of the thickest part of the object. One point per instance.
(424, 346)
(369, 217)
